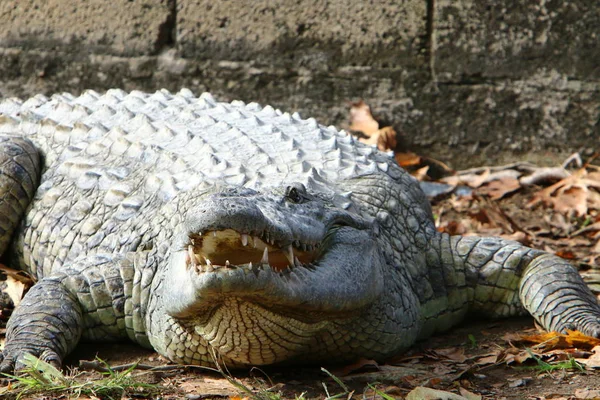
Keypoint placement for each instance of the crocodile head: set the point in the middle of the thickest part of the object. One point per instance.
(259, 276)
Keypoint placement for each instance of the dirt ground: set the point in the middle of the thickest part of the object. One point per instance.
(424, 365)
(479, 360)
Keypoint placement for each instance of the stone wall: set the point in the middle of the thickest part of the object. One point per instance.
(468, 82)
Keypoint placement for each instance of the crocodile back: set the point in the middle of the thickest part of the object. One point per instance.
(111, 161)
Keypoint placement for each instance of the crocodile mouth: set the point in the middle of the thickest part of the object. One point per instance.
(228, 248)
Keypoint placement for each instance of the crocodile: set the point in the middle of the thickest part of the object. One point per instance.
(234, 232)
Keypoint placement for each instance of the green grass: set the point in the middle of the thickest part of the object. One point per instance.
(345, 394)
(543, 366)
(379, 393)
(472, 341)
(41, 377)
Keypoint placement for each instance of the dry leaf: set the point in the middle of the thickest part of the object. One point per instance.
(488, 359)
(359, 366)
(471, 180)
(387, 139)
(211, 386)
(499, 188)
(554, 340)
(571, 195)
(15, 290)
(452, 353)
(596, 248)
(407, 159)
(593, 361)
(453, 228)
(572, 199)
(468, 395)
(421, 173)
(515, 356)
(587, 394)
(566, 254)
(362, 120)
(384, 138)
(424, 393)
(16, 283)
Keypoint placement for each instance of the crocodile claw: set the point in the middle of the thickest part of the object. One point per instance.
(18, 360)
(589, 327)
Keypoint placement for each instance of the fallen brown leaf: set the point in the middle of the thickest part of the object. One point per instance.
(593, 361)
(421, 173)
(596, 248)
(571, 195)
(499, 188)
(361, 365)
(587, 393)
(424, 393)
(468, 395)
(516, 356)
(17, 283)
(387, 139)
(453, 228)
(362, 120)
(554, 340)
(488, 359)
(407, 159)
(456, 354)
(566, 254)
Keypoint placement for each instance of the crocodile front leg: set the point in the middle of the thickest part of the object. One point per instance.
(508, 278)
(19, 175)
(554, 293)
(47, 324)
(86, 299)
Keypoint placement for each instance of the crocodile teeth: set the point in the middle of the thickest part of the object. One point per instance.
(289, 254)
(209, 266)
(227, 263)
(250, 265)
(297, 262)
(192, 256)
(244, 238)
(265, 257)
(214, 233)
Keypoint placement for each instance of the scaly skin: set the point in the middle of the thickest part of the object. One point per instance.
(194, 227)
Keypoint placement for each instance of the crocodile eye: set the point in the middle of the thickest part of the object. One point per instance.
(294, 194)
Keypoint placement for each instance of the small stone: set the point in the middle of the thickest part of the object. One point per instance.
(519, 382)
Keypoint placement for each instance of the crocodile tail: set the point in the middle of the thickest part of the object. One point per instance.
(506, 278)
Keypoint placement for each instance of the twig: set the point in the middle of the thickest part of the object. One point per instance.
(519, 166)
(98, 366)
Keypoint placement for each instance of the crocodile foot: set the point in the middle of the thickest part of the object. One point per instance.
(589, 327)
(14, 357)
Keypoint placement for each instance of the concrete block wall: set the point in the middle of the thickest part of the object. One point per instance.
(468, 82)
